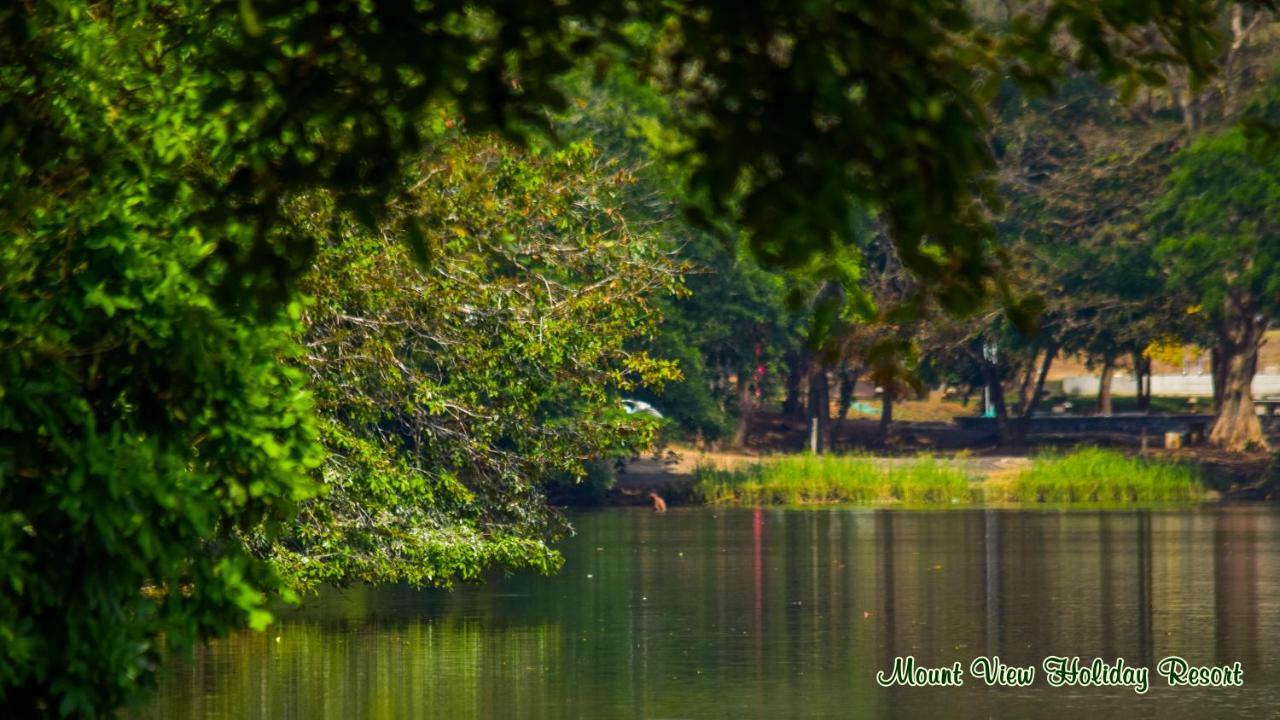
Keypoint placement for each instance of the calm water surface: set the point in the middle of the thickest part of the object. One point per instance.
(703, 613)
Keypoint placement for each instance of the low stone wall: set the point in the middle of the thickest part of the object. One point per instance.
(1085, 425)
(1166, 385)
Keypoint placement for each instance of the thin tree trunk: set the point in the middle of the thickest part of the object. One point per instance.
(1228, 71)
(1030, 403)
(1151, 382)
(746, 409)
(1191, 110)
(1025, 387)
(1240, 31)
(848, 384)
(1104, 386)
(1010, 433)
(1187, 100)
(886, 416)
(793, 405)
(1142, 376)
(819, 408)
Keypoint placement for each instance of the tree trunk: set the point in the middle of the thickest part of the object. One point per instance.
(848, 384)
(819, 408)
(1104, 386)
(746, 409)
(1029, 403)
(1187, 99)
(1240, 31)
(793, 405)
(1237, 428)
(1190, 111)
(1024, 389)
(1218, 371)
(1010, 433)
(886, 416)
(1142, 376)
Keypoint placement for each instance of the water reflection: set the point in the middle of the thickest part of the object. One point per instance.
(780, 613)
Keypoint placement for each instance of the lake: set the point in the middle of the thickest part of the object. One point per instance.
(781, 613)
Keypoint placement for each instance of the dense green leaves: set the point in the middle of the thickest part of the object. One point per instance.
(733, 320)
(800, 116)
(152, 155)
(1218, 223)
(142, 423)
(1219, 219)
(141, 426)
(449, 393)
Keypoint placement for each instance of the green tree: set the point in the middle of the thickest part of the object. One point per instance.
(1217, 222)
(151, 154)
(731, 328)
(449, 393)
(145, 421)
(1079, 169)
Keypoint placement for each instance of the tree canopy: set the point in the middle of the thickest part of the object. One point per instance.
(1217, 222)
(153, 403)
(449, 392)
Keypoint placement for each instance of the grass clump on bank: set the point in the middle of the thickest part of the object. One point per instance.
(1087, 476)
(1094, 476)
(855, 479)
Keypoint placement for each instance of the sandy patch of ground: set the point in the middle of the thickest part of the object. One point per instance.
(676, 466)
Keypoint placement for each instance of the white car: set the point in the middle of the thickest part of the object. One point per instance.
(640, 406)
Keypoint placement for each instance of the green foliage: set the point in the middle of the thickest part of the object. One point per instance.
(147, 290)
(799, 115)
(1087, 476)
(1105, 477)
(150, 156)
(1078, 171)
(142, 425)
(450, 393)
(1217, 221)
(733, 320)
(1218, 218)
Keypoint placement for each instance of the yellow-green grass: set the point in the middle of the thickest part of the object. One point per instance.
(1086, 476)
(855, 479)
(1093, 476)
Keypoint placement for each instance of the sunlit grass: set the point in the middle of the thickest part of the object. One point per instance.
(854, 479)
(1087, 476)
(1101, 477)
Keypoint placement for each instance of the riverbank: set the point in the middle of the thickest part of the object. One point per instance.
(1086, 476)
(1081, 476)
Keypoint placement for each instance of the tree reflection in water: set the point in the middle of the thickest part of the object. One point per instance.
(779, 613)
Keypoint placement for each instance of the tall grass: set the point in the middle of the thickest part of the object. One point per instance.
(1100, 477)
(1088, 476)
(803, 479)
